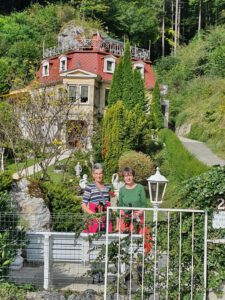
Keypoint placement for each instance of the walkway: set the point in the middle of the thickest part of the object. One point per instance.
(202, 152)
(36, 168)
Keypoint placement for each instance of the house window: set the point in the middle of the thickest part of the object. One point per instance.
(84, 94)
(45, 69)
(140, 68)
(106, 97)
(78, 93)
(109, 65)
(73, 93)
(63, 64)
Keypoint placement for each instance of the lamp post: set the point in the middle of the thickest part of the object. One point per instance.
(157, 186)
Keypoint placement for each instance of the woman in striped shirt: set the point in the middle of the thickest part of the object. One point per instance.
(96, 198)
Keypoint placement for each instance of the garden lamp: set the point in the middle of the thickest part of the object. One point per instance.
(157, 186)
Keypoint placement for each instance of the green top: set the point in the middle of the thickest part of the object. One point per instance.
(136, 196)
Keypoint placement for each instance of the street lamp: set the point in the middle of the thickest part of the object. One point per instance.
(157, 186)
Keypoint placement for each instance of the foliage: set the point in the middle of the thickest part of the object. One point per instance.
(116, 89)
(114, 136)
(41, 117)
(5, 181)
(202, 192)
(12, 291)
(140, 162)
(63, 204)
(177, 164)
(127, 84)
(156, 116)
(22, 36)
(197, 73)
(11, 237)
(128, 79)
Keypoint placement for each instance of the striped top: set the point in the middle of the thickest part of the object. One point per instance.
(93, 195)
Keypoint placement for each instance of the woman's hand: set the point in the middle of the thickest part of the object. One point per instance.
(87, 210)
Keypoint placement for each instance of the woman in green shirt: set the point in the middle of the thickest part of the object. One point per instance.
(132, 194)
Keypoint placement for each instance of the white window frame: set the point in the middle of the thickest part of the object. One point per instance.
(63, 59)
(141, 67)
(78, 93)
(111, 60)
(45, 68)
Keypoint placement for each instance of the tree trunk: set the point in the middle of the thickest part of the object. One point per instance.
(199, 17)
(176, 22)
(2, 150)
(163, 30)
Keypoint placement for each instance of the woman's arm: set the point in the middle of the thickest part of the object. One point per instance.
(86, 200)
(86, 209)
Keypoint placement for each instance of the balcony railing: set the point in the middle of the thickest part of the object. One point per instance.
(112, 47)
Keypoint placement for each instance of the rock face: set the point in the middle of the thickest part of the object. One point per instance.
(36, 216)
(70, 35)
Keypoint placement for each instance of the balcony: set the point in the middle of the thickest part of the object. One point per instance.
(105, 46)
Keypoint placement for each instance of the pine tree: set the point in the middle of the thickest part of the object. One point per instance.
(128, 77)
(116, 90)
(138, 93)
(114, 136)
(156, 115)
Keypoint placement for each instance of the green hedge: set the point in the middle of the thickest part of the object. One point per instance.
(177, 164)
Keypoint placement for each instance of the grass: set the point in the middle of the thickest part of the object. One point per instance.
(13, 167)
(178, 165)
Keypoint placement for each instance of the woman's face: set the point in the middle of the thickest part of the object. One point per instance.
(128, 178)
(97, 175)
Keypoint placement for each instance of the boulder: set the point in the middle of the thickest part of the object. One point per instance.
(36, 215)
(45, 295)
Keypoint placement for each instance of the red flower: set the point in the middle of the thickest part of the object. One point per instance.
(112, 194)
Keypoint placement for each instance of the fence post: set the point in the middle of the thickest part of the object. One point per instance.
(47, 259)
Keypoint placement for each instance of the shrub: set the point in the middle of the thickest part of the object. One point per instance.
(140, 162)
(63, 204)
(5, 181)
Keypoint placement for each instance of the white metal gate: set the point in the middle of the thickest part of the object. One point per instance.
(161, 256)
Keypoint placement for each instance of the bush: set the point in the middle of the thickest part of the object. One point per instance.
(5, 181)
(63, 204)
(140, 162)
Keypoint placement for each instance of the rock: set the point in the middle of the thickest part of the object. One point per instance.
(88, 295)
(36, 215)
(45, 295)
(74, 297)
(183, 129)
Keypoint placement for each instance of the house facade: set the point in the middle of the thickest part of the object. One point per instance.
(84, 68)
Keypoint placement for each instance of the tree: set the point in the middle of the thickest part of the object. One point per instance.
(156, 115)
(138, 94)
(41, 115)
(114, 136)
(128, 79)
(116, 89)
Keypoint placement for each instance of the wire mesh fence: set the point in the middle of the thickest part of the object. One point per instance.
(158, 254)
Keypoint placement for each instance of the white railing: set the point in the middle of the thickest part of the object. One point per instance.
(116, 48)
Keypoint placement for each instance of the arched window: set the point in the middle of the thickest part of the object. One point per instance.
(45, 68)
(63, 64)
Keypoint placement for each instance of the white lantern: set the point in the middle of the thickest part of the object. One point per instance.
(157, 186)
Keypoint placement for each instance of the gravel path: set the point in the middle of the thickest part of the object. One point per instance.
(202, 152)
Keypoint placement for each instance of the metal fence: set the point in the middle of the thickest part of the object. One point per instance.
(160, 255)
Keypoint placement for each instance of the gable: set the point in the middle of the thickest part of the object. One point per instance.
(78, 73)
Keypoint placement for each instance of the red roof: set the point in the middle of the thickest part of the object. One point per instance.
(90, 61)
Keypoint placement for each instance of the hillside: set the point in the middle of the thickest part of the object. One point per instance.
(196, 80)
